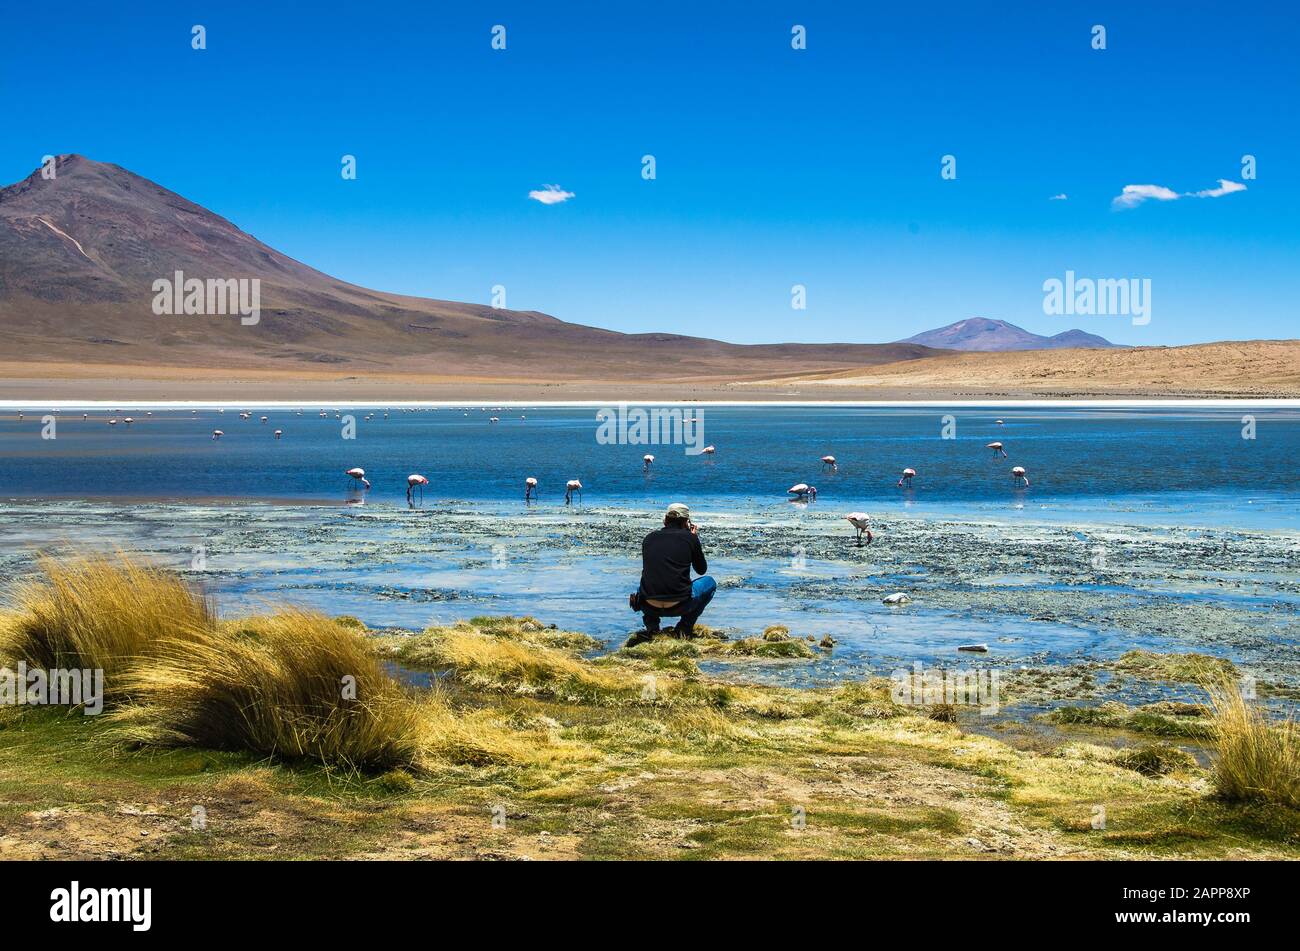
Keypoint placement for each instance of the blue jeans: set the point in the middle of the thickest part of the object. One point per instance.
(702, 590)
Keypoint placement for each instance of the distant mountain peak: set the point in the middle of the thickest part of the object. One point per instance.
(987, 334)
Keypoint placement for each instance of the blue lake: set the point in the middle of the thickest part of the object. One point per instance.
(1148, 528)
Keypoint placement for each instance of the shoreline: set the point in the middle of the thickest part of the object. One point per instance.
(448, 403)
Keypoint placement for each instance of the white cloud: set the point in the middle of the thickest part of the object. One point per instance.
(1225, 188)
(1134, 195)
(550, 195)
(1061, 197)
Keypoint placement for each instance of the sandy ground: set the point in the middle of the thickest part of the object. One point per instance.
(1252, 368)
(1257, 368)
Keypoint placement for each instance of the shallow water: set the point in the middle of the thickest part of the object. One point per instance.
(1155, 529)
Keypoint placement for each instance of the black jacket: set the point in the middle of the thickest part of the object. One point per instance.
(666, 560)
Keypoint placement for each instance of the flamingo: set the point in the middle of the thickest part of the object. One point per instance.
(264, 419)
(999, 422)
(279, 433)
(648, 460)
(359, 475)
(112, 422)
(908, 476)
(129, 420)
(997, 448)
(530, 488)
(573, 485)
(802, 490)
(861, 521)
(708, 450)
(1018, 473)
(830, 461)
(413, 481)
(217, 434)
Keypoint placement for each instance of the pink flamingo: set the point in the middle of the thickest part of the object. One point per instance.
(648, 460)
(830, 461)
(1017, 474)
(414, 481)
(861, 521)
(217, 434)
(530, 488)
(997, 448)
(708, 450)
(573, 485)
(359, 475)
(802, 491)
(279, 433)
(908, 476)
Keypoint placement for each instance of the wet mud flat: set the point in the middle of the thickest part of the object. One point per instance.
(1037, 594)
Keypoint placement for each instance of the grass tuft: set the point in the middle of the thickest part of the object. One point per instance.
(100, 613)
(1257, 760)
(294, 684)
(1155, 759)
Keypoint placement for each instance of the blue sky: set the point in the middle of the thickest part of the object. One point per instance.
(774, 167)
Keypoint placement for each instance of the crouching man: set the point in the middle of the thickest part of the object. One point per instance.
(667, 557)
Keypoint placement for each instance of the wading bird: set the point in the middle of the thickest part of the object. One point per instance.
(1017, 474)
(708, 450)
(279, 433)
(359, 475)
(908, 476)
(414, 481)
(573, 485)
(802, 491)
(830, 461)
(648, 460)
(530, 488)
(997, 448)
(217, 434)
(861, 521)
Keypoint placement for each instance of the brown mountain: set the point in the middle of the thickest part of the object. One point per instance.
(79, 254)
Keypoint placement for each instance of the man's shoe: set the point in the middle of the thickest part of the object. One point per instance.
(680, 631)
(639, 637)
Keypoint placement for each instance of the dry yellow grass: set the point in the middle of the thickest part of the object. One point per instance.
(294, 684)
(100, 613)
(1257, 759)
